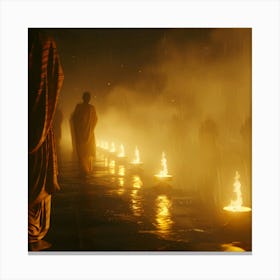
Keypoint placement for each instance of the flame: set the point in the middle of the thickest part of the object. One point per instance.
(136, 160)
(106, 145)
(236, 205)
(122, 152)
(163, 174)
(163, 171)
(112, 148)
(137, 156)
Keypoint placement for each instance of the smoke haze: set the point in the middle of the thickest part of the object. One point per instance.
(186, 92)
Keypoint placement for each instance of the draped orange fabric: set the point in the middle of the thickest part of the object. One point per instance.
(45, 78)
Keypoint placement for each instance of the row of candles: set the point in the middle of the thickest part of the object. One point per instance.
(136, 162)
(234, 206)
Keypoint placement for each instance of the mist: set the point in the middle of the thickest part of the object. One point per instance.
(185, 92)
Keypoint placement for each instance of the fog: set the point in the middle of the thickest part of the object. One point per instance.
(186, 92)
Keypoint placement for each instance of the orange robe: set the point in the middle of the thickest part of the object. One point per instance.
(45, 78)
(84, 120)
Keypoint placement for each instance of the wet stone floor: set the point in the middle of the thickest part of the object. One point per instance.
(119, 208)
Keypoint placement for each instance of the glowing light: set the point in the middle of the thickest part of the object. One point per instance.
(122, 152)
(231, 248)
(163, 174)
(136, 182)
(112, 165)
(121, 171)
(105, 145)
(136, 160)
(121, 182)
(136, 200)
(112, 148)
(236, 205)
(163, 216)
(121, 188)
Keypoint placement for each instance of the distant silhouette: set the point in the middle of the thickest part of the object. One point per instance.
(209, 164)
(246, 154)
(45, 78)
(83, 121)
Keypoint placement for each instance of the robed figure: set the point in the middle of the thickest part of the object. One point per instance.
(45, 78)
(209, 164)
(83, 121)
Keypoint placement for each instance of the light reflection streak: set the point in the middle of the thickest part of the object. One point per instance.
(121, 190)
(121, 171)
(163, 216)
(112, 166)
(136, 198)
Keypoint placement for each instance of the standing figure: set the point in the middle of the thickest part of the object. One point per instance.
(84, 120)
(45, 78)
(209, 164)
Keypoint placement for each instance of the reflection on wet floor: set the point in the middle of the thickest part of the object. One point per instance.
(136, 198)
(121, 171)
(118, 208)
(112, 166)
(163, 215)
(231, 248)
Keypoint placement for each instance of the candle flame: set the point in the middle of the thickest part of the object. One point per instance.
(237, 204)
(105, 145)
(163, 172)
(112, 148)
(122, 152)
(137, 156)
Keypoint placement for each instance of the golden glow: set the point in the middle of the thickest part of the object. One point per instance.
(122, 152)
(106, 145)
(121, 181)
(136, 182)
(163, 174)
(112, 166)
(136, 203)
(112, 148)
(136, 159)
(99, 143)
(121, 171)
(236, 205)
(163, 217)
(121, 189)
(231, 248)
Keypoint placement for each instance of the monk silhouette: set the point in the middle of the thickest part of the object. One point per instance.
(84, 120)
